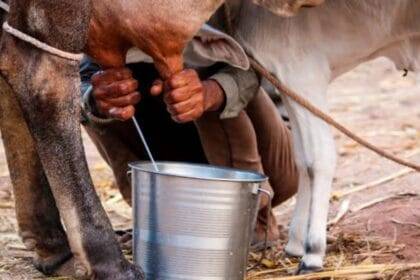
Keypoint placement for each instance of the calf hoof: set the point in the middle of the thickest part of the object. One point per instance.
(293, 249)
(307, 269)
(50, 264)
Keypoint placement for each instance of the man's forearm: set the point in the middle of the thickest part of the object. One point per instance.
(239, 86)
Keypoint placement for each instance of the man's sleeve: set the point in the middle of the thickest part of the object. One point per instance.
(87, 69)
(240, 88)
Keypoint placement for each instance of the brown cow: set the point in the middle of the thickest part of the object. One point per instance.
(287, 8)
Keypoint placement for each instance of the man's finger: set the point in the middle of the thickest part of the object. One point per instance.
(126, 100)
(103, 107)
(180, 94)
(177, 95)
(123, 114)
(182, 79)
(116, 89)
(195, 102)
(188, 117)
(110, 76)
(157, 88)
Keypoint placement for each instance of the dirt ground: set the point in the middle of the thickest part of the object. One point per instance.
(382, 220)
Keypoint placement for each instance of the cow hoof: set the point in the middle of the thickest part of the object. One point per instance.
(134, 273)
(129, 272)
(305, 269)
(125, 239)
(49, 265)
(69, 268)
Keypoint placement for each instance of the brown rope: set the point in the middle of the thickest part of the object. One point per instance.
(313, 109)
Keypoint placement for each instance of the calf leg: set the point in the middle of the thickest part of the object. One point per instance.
(298, 226)
(49, 104)
(319, 161)
(38, 218)
(316, 160)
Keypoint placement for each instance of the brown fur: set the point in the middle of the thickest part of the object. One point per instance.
(50, 108)
(38, 218)
(45, 109)
(37, 215)
(151, 25)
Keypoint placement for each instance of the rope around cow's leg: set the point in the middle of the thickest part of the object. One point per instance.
(4, 6)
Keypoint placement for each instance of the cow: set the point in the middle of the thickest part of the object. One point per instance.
(40, 117)
(306, 52)
(287, 8)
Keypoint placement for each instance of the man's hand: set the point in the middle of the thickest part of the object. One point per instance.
(187, 97)
(115, 93)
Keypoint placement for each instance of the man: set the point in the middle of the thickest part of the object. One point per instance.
(236, 124)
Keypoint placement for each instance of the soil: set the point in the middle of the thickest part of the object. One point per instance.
(375, 101)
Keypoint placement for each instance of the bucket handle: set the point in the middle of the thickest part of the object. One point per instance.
(270, 196)
(268, 193)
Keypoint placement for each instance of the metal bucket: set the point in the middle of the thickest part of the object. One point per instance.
(193, 222)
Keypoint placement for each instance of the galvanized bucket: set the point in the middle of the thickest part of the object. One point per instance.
(193, 222)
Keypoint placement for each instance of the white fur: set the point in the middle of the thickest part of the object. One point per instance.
(307, 52)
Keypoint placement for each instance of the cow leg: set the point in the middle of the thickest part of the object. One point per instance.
(47, 90)
(39, 222)
(316, 159)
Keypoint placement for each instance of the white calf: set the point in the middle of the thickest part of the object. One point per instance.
(307, 52)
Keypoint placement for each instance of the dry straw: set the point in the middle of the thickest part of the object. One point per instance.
(373, 271)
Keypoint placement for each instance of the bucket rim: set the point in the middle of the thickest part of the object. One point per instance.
(258, 177)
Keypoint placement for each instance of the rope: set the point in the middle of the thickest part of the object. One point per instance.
(41, 45)
(90, 117)
(35, 42)
(87, 112)
(316, 111)
(4, 6)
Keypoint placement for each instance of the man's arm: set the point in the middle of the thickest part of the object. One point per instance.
(239, 87)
